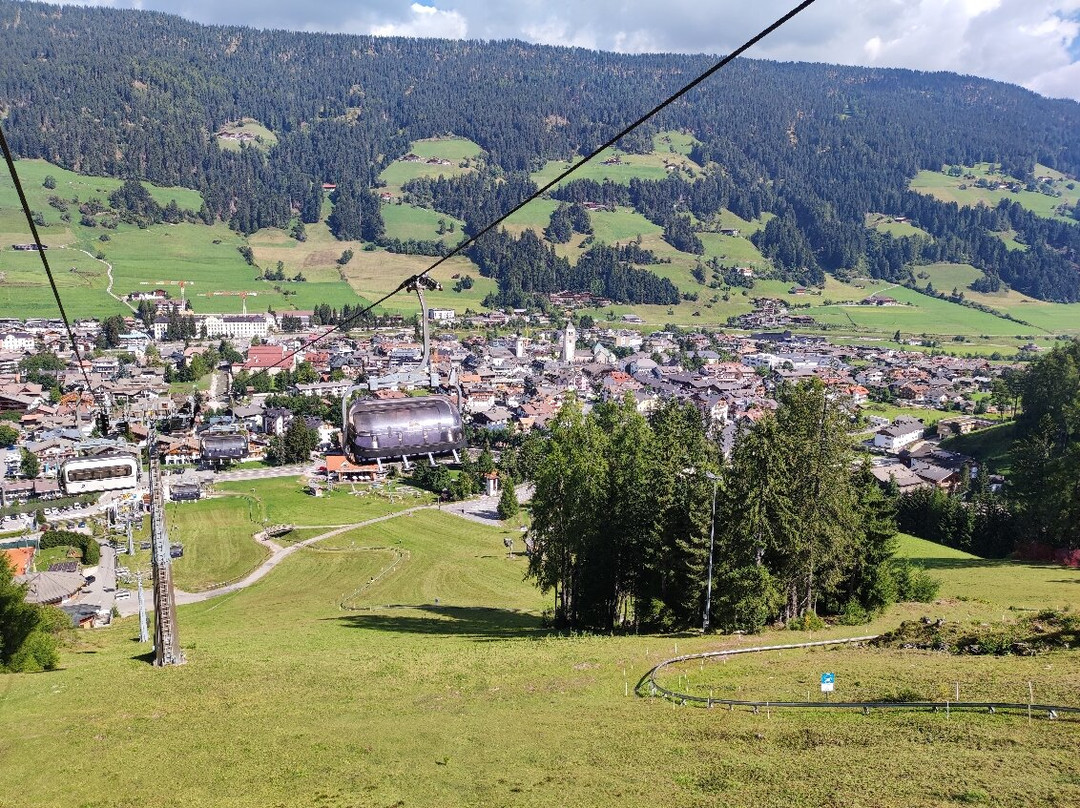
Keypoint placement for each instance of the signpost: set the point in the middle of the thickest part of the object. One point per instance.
(828, 682)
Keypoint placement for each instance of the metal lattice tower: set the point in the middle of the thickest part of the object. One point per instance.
(166, 642)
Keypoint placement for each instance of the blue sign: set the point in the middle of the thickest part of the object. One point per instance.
(828, 681)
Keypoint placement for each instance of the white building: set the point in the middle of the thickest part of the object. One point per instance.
(762, 360)
(442, 315)
(18, 341)
(899, 434)
(233, 326)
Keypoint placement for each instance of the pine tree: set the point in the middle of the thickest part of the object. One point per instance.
(508, 506)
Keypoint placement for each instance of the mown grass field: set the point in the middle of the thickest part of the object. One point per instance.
(264, 139)
(918, 314)
(217, 538)
(947, 189)
(282, 500)
(454, 149)
(217, 532)
(405, 664)
(1053, 318)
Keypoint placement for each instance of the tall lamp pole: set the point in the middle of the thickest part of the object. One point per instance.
(712, 540)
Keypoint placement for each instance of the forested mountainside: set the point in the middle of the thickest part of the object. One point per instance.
(143, 94)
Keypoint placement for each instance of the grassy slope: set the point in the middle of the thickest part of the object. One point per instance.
(289, 699)
(218, 547)
(168, 254)
(205, 257)
(947, 189)
(992, 445)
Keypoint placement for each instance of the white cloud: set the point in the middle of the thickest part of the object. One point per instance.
(425, 21)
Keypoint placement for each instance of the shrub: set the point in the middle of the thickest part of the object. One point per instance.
(853, 614)
(807, 622)
(913, 583)
(39, 652)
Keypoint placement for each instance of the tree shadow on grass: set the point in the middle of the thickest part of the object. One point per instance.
(477, 622)
(932, 563)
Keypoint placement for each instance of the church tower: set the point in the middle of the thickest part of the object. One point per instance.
(569, 342)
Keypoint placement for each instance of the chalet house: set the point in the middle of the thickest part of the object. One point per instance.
(899, 434)
(901, 475)
(493, 418)
(960, 426)
(340, 469)
(943, 478)
(912, 392)
(178, 451)
(479, 400)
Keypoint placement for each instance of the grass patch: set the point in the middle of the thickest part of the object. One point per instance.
(408, 222)
(979, 588)
(990, 445)
(455, 150)
(947, 189)
(917, 314)
(887, 224)
(398, 699)
(892, 412)
(217, 538)
(246, 130)
(282, 500)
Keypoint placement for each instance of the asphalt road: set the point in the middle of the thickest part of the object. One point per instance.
(101, 591)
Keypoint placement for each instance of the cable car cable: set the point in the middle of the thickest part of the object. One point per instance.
(412, 279)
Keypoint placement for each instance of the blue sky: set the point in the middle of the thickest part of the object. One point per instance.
(1033, 43)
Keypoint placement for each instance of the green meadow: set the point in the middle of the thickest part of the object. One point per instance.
(619, 166)
(916, 314)
(406, 663)
(888, 224)
(263, 138)
(1051, 318)
(453, 149)
(947, 189)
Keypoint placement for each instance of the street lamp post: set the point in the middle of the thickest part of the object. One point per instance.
(712, 540)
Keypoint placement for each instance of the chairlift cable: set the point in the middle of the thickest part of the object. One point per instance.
(41, 252)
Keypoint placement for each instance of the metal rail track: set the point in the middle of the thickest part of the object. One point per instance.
(648, 686)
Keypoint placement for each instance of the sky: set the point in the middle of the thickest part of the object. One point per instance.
(1033, 43)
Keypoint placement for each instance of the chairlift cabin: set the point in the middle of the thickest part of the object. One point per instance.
(110, 471)
(228, 444)
(424, 426)
(421, 426)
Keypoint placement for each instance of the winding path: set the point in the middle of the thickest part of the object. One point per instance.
(108, 274)
(480, 510)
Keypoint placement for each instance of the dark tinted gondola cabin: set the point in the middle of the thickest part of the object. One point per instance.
(218, 446)
(404, 427)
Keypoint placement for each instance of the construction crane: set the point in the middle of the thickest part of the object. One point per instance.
(181, 284)
(242, 295)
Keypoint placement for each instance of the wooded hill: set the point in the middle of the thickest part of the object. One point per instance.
(144, 95)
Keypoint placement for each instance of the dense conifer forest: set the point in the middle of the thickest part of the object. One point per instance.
(142, 95)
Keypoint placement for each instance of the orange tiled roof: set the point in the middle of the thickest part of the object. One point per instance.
(19, 558)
